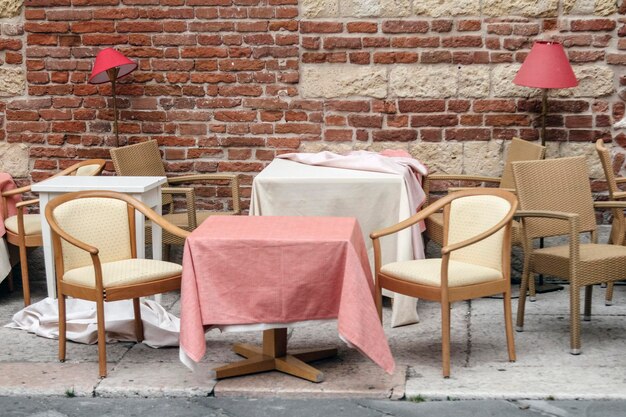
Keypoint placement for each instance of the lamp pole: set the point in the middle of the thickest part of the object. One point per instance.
(112, 73)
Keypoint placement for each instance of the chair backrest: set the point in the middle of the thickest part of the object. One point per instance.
(519, 150)
(607, 166)
(560, 184)
(141, 160)
(472, 215)
(104, 223)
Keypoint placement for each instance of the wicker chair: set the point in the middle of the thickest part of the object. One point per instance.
(24, 230)
(555, 200)
(616, 194)
(96, 257)
(144, 159)
(475, 258)
(519, 150)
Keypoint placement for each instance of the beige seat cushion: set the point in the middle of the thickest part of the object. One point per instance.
(32, 224)
(428, 272)
(181, 219)
(124, 272)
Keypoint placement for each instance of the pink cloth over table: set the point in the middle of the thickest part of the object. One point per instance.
(6, 184)
(271, 269)
(390, 161)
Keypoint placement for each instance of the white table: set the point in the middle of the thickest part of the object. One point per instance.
(144, 189)
(377, 200)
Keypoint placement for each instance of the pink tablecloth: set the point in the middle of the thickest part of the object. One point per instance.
(264, 269)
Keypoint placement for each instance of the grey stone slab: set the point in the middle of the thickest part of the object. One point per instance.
(165, 379)
(45, 378)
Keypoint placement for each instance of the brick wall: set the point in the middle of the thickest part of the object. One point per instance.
(224, 85)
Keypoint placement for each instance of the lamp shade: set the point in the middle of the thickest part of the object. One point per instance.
(105, 60)
(546, 66)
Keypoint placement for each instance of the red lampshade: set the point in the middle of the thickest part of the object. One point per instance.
(110, 58)
(546, 66)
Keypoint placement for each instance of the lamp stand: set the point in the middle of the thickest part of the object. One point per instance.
(113, 72)
(543, 287)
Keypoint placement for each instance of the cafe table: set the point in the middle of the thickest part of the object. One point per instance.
(376, 199)
(144, 189)
(273, 273)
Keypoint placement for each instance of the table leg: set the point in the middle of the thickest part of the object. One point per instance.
(48, 251)
(273, 356)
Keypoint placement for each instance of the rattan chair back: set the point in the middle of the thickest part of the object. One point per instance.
(605, 159)
(554, 185)
(519, 150)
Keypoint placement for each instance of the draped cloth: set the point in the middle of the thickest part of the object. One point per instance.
(389, 161)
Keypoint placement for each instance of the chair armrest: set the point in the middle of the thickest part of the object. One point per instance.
(190, 198)
(23, 204)
(453, 189)
(545, 213)
(70, 239)
(15, 191)
(461, 177)
(620, 180)
(610, 204)
(234, 184)
(160, 221)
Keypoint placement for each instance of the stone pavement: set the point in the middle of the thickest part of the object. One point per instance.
(544, 370)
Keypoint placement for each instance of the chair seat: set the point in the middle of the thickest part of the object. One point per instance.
(124, 272)
(598, 262)
(428, 272)
(32, 224)
(181, 219)
(434, 229)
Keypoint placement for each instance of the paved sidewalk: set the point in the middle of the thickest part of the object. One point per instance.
(544, 370)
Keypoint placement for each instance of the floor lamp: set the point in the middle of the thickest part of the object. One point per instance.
(109, 66)
(545, 67)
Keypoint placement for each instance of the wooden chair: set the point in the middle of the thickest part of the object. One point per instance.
(24, 230)
(555, 200)
(615, 194)
(519, 150)
(475, 258)
(93, 233)
(144, 159)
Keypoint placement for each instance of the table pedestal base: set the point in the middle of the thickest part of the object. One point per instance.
(273, 356)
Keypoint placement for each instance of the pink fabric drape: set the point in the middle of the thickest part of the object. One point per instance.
(271, 269)
(6, 184)
(390, 161)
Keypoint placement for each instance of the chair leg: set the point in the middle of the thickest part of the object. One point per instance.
(532, 291)
(138, 321)
(508, 324)
(521, 302)
(102, 349)
(588, 293)
(24, 269)
(574, 317)
(608, 300)
(62, 328)
(445, 338)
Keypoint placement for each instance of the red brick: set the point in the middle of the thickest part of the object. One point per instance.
(342, 43)
(421, 106)
(56, 27)
(394, 57)
(362, 27)
(405, 26)
(441, 25)
(468, 25)
(484, 106)
(360, 58)
(592, 25)
(348, 106)
(397, 121)
(462, 42)
(320, 27)
(579, 121)
(394, 135)
(298, 128)
(371, 121)
(434, 57)
(338, 135)
(10, 44)
(415, 42)
(235, 116)
(507, 120)
(435, 120)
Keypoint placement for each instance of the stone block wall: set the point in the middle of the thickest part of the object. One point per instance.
(225, 85)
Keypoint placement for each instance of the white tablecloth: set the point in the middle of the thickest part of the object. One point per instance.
(377, 200)
(5, 263)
